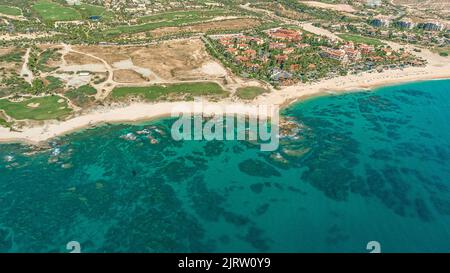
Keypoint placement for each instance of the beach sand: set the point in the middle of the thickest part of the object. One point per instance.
(438, 68)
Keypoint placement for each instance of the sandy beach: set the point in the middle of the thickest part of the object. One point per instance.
(437, 68)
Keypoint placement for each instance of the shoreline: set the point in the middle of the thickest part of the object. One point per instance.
(437, 69)
(331, 92)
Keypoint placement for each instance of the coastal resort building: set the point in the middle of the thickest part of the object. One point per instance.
(284, 34)
(311, 67)
(353, 54)
(226, 41)
(380, 21)
(281, 58)
(276, 45)
(251, 53)
(404, 23)
(366, 49)
(387, 51)
(303, 45)
(242, 46)
(232, 50)
(288, 50)
(280, 75)
(242, 59)
(294, 67)
(335, 54)
(431, 26)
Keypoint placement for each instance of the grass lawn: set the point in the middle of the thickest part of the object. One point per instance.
(197, 14)
(169, 19)
(160, 92)
(50, 11)
(87, 10)
(251, 92)
(87, 90)
(44, 108)
(8, 10)
(361, 39)
(49, 54)
(54, 83)
(150, 26)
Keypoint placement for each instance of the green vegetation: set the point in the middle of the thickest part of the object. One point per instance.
(42, 108)
(160, 92)
(17, 85)
(4, 123)
(14, 84)
(12, 57)
(82, 96)
(360, 39)
(147, 27)
(170, 19)
(53, 83)
(87, 10)
(37, 86)
(44, 57)
(87, 89)
(10, 10)
(188, 14)
(250, 93)
(50, 11)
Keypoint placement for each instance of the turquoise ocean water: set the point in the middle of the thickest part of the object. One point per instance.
(365, 166)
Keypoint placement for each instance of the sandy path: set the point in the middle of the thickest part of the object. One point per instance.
(318, 31)
(14, 17)
(336, 7)
(105, 87)
(30, 36)
(25, 72)
(145, 72)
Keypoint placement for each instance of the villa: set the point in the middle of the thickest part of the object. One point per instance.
(284, 34)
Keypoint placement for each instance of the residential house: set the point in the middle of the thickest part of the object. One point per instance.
(258, 41)
(278, 75)
(431, 26)
(294, 67)
(387, 51)
(281, 58)
(284, 34)
(242, 59)
(366, 49)
(251, 53)
(277, 45)
(311, 66)
(232, 50)
(242, 46)
(288, 50)
(303, 45)
(353, 54)
(336, 54)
